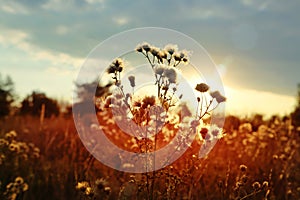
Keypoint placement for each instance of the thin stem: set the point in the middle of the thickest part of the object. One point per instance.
(206, 111)
(201, 107)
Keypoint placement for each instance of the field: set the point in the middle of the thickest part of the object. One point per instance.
(47, 160)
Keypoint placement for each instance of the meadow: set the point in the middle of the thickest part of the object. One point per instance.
(44, 157)
(48, 161)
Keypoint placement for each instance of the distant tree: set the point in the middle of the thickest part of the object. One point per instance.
(87, 93)
(231, 123)
(7, 96)
(33, 104)
(296, 114)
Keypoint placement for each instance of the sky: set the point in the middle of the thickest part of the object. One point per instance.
(255, 44)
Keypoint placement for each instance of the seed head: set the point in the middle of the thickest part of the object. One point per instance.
(131, 79)
(243, 168)
(202, 87)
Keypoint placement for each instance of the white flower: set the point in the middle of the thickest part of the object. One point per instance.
(171, 74)
(159, 69)
(171, 48)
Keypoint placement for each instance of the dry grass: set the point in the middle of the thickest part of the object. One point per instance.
(264, 164)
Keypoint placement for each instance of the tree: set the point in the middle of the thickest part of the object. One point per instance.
(296, 113)
(7, 96)
(33, 104)
(87, 93)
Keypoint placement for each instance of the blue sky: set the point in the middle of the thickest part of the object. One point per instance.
(256, 44)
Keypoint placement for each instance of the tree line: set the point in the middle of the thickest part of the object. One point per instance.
(33, 103)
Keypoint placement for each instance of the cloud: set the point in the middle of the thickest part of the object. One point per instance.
(95, 1)
(12, 7)
(121, 20)
(19, 39)
(61, 30)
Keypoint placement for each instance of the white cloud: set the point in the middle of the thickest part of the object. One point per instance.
(58, 5)
(257, 4)
(61, 30)
(13, 8)
(19, 39)
(94, 1)
(121, 20)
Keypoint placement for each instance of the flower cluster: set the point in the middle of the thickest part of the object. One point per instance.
(204, 99)
(9, 145)
(99, 189)
(210, 133)
(15, 189)
(164, 62)
(169, 54)
(115, 68)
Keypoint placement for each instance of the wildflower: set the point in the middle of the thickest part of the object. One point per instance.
(14, 147)
(171, 74)
(139, 48)
(25, 187)
(146, 46)
(238, 184)
(36, 155)
(13, 134)
(177, 57)
(185, 60)
(131, 79)
(101, 183)
(36, 149)
(218, 96)
(162, 54)
(202, 87)
(243, 168)
(159, 69)
(89, 191)
(13, 196)
(154, 51)
(203, 132)
(10, 185)
(183, 55)
(256, 185)
(245, 127)
(265, 184)
(82, 185)
(216, 131)
(283, 157)
(9, 136)
(116, 66)
(3, 142)
(137, 104)
(19, 180)
(171, 48)
(275, 157)
(107, 190)
(148, 101)
(111, 69)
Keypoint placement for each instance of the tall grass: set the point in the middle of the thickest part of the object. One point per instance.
(245, 164)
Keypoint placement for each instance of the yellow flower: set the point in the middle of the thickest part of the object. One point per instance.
(19, 180)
